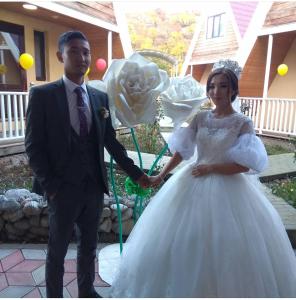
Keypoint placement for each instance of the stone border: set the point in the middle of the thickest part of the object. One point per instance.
(24, 217)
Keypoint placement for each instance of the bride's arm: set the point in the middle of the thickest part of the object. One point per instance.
(172, 164)
(226, 169)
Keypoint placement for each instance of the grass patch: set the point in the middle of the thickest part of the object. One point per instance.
(276, 149)
(286, 189)
(17, 177)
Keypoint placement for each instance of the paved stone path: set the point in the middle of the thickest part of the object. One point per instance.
(22, 271)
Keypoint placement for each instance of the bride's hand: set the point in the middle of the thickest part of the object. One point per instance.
(202, 170)
(155, 181)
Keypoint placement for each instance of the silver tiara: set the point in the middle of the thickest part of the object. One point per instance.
(228, 64)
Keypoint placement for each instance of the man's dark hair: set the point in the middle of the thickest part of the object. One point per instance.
(231, 77)
(66, 37)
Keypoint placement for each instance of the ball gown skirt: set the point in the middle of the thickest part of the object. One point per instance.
(211, 236)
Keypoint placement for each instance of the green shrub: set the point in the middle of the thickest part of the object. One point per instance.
(148, 136)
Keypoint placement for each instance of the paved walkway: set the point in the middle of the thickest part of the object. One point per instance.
(22, 271)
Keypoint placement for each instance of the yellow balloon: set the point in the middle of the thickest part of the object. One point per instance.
(26, 61)
(3, 69)
(87, 71)
(282, 69)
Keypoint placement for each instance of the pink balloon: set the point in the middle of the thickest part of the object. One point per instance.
(101, 64)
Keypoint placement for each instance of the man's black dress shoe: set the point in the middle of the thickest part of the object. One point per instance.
(93, 294)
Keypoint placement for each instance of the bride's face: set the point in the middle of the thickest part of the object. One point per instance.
(220, 90)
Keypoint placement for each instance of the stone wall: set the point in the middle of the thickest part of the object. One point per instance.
(24, 217)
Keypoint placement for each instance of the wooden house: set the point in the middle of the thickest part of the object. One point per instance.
(35, 29)
(259, 35)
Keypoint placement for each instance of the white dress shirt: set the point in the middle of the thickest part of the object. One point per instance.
(72, 103)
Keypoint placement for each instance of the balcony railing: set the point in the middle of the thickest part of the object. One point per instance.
(271, 116)
(13, 106)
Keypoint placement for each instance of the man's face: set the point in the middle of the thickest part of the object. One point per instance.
(76, 57)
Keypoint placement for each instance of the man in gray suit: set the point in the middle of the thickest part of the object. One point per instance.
(68, 127)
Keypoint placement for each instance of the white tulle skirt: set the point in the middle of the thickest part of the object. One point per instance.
(212, 236)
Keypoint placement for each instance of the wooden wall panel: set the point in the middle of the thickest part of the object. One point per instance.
(198, 71)
(216, 48)
(281, 13)
(252, 78)
(102, 10)
(281, 45)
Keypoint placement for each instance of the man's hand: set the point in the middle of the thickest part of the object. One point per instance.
(143, 181)
(51, 196)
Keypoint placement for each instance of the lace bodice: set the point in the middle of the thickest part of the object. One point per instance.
(215, 136)
(220, 140)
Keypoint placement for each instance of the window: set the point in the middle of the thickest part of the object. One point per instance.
(39, 55)
(215, 26)
(12, 77)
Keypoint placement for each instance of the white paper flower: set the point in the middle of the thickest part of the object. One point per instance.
(133, 86)
(182, 99)
(101, 86)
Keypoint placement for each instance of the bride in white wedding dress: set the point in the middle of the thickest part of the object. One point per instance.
(210, 231)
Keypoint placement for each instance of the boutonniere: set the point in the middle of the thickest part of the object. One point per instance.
(104, 112)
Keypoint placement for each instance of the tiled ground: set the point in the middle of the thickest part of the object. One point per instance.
(22, 272)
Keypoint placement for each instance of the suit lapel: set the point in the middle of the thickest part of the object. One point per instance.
(95, 108)
(62, 105)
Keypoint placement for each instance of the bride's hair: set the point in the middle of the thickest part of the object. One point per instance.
(232, 80)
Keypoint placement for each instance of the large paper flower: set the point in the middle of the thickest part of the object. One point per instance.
(182, 99)
(101, 86)
(133, 85)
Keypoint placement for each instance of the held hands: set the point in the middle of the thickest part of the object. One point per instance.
(155, 181)
(146, 181)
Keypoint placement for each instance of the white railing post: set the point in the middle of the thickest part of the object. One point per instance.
(9, 115)
(3, 117)
(12, 119)
(15, 117)
(262, 115)
(21, 103)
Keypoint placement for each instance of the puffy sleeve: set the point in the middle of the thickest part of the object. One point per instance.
(183, 141)
(248, 150)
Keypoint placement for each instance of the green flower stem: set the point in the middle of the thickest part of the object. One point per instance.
(137, 147)
(160, 155)
(117, 203)
(137, 211)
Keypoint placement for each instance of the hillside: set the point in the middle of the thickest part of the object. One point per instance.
(159, 30)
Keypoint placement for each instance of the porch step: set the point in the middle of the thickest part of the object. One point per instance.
(12, 148)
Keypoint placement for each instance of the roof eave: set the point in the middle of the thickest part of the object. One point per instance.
(75, 14)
